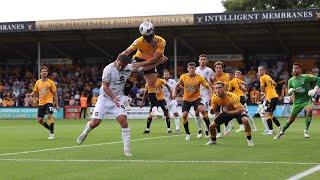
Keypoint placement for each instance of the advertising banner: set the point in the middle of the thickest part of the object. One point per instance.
(257, 17)
(27, 26)
(25, 113)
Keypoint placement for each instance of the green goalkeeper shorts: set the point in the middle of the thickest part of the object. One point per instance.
(296, 108)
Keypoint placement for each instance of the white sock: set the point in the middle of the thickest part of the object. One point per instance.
(87, 129)
(126, 137)
(265, 124)
(177, 122)
(198, 122)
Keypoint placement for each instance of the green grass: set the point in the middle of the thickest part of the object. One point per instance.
(155, 156)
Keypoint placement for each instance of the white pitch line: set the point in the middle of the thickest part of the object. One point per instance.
(160, 161)
(305, 173)
(80, 146)
(9, 127)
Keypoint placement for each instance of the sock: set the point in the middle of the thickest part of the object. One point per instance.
(308, 122)
(168, 122)
(213, 139)
(198, 122)
(286, 126)
(51, 128)
(186, 127)
(51, 124)
(177, 122)
(275, 120)
(218, 129)
(149, 122)
(249, 138)
(87, 129)
(269, 121)
(207, 122)
(126, 137)
(265, 124)
(44, 124)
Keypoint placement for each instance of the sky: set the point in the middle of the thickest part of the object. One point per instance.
(35, 10)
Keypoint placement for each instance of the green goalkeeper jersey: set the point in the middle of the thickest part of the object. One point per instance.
(302, 84)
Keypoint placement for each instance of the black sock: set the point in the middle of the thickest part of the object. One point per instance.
(269, 124)
(153, 99)
(213, 138)
(275, 120)
(207, 121)
(186, 127)
(168, 122)
(51, 128)
(149, 122)
(249, 138)
(44, 124)
(218, 129)
(200, 132)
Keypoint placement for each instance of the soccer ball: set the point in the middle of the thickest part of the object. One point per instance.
(146, 28)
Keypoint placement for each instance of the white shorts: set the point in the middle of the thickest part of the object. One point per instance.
(106, 105)
(205, 101)
(172, 106)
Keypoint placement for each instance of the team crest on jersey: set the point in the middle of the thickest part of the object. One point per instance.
(191, 89)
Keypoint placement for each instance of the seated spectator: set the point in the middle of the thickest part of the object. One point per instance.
(60, 101)
(133, 94)
(72, 101)
(254, 95)
(1, 89)
(27, 101)
(8, 101)
(77, 97)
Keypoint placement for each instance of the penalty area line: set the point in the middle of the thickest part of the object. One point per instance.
(88, 145)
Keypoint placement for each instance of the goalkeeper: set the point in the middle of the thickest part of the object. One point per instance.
(300, 85)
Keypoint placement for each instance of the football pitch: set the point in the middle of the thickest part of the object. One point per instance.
(26, 153)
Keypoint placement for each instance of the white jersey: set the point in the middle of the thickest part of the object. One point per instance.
(116, 79)
(171, 83)
(207, 73)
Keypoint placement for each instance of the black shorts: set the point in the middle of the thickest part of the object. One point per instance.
(225, 118)
(163, 105)
(186, 105)
(243, 100)
(271, 105)
(45, 109)
(158, 69)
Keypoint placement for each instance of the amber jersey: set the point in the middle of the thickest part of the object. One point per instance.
(147, 50)
(159, 88)
(235, 86)
(191, 86)
(46, 90)
(224, 77)
(231, 101)
(270, 89)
